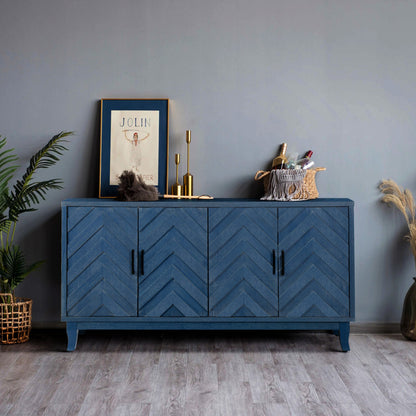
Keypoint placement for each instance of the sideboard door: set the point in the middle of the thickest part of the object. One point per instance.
(242, 262)
(314, 261)
(101, 280)
(173, 262)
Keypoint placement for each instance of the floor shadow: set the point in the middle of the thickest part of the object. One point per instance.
(50, 340)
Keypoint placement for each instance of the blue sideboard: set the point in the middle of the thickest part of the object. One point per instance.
(217, 264)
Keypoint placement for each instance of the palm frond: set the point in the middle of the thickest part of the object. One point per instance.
(48, 155)
(5, 224)
(13, 268)
(28, 196)
(7, 168)
(25, 193)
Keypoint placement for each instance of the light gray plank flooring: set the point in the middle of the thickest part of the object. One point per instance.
(208, 373)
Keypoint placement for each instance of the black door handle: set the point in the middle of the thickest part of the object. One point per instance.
(133, 271)
(274, 261)
(142, 262)
(282, 257)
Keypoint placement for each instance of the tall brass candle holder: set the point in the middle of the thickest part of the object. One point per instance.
(188, 178)
(177, 187)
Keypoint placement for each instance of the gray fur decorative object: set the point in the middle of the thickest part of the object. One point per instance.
(133, 188)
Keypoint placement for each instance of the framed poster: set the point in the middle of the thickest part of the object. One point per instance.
(134, 136)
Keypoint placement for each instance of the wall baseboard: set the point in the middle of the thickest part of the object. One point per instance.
(375, 327)
(48, 325)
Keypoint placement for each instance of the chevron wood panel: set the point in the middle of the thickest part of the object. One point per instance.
(315, 242)
(174, 243)
(99, 267)
(241, 246)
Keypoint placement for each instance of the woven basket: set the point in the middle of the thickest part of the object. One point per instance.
(309, 189)
(15, 319)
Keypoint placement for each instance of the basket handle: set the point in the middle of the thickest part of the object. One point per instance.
(262, 174)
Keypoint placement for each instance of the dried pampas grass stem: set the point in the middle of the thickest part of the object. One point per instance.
(403, 200)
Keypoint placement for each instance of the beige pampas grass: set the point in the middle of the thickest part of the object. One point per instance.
(403, 200)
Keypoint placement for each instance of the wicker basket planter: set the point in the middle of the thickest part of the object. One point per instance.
(15, 319)
(308, 189)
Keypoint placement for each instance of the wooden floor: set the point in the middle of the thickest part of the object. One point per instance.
(194, 373)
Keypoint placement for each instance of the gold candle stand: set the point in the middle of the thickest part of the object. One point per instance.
(177, 187)
(188, 179)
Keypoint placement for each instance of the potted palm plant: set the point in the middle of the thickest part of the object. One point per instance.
(22, 197)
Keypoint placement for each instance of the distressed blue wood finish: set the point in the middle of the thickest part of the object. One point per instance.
(344, 332)
(173, 247)
(331, 251)
(72, 335)
(314, 246)
(100, 242)
(242, 256)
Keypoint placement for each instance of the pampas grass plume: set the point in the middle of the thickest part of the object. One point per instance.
(403, 200)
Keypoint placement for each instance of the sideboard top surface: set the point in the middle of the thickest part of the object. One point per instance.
(207, 203)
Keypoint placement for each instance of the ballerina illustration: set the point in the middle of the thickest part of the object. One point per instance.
(135, 152)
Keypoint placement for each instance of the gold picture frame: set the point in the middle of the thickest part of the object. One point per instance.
(134, 135)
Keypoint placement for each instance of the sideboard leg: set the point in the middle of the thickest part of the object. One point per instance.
(72, 334)
(344, 332)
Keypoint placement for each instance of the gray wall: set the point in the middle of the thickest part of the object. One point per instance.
(338, 77)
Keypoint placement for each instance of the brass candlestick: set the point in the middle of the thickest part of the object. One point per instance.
(177, 187)
(188, 178)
